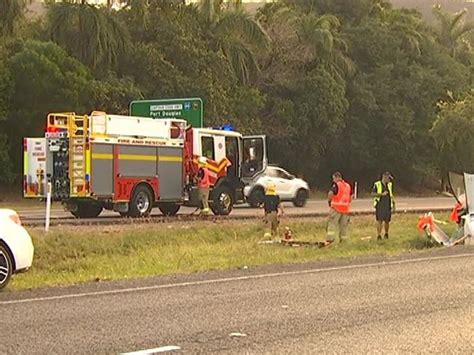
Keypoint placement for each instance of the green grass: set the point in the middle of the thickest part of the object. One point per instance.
(69, 255)
(24, 204)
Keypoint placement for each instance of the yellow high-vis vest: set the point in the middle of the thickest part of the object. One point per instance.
(378, 185)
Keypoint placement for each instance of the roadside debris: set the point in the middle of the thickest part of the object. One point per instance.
(462, 187)
(289, 240)
(237, 335)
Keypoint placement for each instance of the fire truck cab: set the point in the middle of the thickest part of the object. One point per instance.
(131, 164)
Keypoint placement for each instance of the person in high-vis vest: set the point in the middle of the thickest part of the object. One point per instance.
(272, 208)
(339, 200)
(204, 184)
(384, 203)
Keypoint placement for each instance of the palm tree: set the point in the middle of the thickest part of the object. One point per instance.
(91, 34)
(321, 43)
(11, 12)
(452, 29)
(234, 33)
(303, 41)
(410, 27)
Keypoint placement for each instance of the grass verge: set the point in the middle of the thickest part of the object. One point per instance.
(69, 255)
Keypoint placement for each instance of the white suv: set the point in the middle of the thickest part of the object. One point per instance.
(288, 187)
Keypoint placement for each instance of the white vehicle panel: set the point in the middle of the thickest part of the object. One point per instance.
(17, 239)
(117, 125)
(286, 185)
(219, 148)
(34, 167)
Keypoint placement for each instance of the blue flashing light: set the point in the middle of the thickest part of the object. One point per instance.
(225, 127)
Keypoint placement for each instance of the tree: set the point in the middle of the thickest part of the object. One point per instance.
(302, 42)
(320, 40)
(11, 13)
(453, 131)
(113, 95)
(411, 27)
(246, 105)
(355, 12)
(310, 113)
(175, 58)
(392, 101)
(6, 86)
(44, 79)
(6, 175)
(234, 33)
(452, 29)
(92, 35)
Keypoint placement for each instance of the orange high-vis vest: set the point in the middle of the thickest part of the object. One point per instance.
(342, 200)
(455, 213)
(205, 181)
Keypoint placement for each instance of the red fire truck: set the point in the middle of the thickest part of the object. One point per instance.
(131, 164)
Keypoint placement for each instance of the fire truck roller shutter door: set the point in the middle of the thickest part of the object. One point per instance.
(137, 161)
(102, 169)
(170, 172)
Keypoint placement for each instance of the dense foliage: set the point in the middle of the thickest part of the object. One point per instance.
(360, 88)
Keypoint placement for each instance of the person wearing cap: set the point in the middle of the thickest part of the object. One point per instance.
(384, 203)
(204, 184)
(272, 207)
(339, 200)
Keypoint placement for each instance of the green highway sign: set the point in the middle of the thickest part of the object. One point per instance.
(190, 109)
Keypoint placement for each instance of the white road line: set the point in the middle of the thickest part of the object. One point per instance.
(238, 278)
(162, 349)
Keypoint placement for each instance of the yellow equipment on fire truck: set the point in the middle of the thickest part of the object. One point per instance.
(130, 164)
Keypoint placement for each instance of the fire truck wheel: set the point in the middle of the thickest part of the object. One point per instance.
(6, 266)
(142, 202)
(169, 209)
(256, 197)
(300, 198)
(87, 210)
(223, 201)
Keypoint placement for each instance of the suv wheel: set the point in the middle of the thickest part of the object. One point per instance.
(6, 266)
(300, 198)
(169, 208)
(256, 197)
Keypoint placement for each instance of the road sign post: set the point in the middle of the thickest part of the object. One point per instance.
(189, 109)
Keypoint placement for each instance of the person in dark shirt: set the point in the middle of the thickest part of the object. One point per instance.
(272, 207)
(384, 203)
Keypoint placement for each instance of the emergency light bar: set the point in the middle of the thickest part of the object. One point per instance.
(225, 127)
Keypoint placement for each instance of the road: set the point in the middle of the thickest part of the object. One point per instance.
(420, 304)
(313, 207)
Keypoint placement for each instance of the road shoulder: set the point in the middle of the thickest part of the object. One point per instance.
(141, 284)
